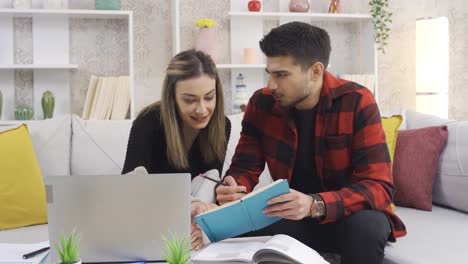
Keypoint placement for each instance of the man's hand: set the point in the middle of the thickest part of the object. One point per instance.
(198, 207)
(293, 206)
(231, 192)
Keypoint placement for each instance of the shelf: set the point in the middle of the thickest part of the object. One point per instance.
(313, 16)
(39, 66)
(74, 13)
(240, 66)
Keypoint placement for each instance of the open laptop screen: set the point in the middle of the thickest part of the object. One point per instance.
(120, 218)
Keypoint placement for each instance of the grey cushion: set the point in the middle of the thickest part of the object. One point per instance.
(451, 182)
(433, 237)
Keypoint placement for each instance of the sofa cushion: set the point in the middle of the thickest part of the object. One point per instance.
(433, 237)
(451, 180)
(416, 160)
(402, 113)
(22, 191)
(51, 141)
(99, 146)
(390, 126)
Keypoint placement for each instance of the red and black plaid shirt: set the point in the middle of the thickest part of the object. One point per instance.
(352, 158)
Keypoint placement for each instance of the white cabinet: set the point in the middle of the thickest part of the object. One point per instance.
(353, 47)
(51, 51)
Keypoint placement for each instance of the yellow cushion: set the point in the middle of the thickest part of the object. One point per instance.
(22, 191)
(390, 126)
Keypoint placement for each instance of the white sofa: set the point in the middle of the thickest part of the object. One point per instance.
(71, 146)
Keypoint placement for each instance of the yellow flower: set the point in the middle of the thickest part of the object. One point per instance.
(205, 22)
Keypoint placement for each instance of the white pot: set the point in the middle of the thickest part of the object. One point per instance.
(78, 262)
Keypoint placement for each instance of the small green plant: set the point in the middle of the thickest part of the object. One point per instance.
(177, 250)
(381, 18)
(69, 249)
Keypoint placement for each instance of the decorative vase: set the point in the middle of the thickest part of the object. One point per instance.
(254, 5)
(301, 6)
(48, 104)
(22, 4)
(206, 42)
(24, 112)
(107, 4)
(335, 6)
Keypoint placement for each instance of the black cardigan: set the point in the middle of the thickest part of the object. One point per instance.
(147, 147)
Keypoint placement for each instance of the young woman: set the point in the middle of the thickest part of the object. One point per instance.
(187, 131)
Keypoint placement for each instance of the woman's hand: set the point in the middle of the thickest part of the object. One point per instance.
(198, 207)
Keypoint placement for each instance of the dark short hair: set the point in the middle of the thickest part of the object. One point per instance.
(307, 44)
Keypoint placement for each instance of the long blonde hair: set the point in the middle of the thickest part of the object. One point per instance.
(212, 139)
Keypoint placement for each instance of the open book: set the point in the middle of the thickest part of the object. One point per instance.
(241, 216)
(275, 249)
(13, 253)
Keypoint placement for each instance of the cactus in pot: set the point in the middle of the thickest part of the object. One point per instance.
(24, 112)
(48, 104)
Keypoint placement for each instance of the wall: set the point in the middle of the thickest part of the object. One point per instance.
(153, 47)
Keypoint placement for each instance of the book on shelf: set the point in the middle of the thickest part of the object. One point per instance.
(90, 94)
(241, 216)
(122, 99)
(107, 98)
(274, 249)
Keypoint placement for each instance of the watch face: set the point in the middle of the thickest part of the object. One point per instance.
(320, 209)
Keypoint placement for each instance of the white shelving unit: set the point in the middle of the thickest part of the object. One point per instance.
(241, 66)
(51, 67)
(355, 54)
(312, 16)
(36, 66)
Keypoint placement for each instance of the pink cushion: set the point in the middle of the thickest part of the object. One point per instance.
(414, 168)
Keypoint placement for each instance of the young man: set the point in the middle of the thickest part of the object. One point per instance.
(325, 136)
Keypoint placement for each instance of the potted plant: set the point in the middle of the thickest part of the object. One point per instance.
(69, 249)
(381, 18)
(177, 250)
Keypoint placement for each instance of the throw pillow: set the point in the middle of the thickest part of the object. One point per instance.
(22, 191)
(390, 126)
(416, 159)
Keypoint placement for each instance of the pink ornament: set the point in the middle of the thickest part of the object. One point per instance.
(206, 42)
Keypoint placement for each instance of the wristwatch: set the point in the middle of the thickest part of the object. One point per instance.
(317, 209)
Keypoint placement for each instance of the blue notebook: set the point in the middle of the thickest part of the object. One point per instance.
(241, 216)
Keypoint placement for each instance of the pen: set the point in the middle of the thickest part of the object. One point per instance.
(34, 253)
(218, 182)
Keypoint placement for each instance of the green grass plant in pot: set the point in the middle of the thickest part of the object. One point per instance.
(177, 250)
(48, 104)
(69, 249)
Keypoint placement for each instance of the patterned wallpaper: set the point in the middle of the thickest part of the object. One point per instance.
(98, 46)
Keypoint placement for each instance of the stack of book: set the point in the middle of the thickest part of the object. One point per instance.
(107, 98)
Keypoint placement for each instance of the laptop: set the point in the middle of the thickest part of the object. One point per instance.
(120, 218)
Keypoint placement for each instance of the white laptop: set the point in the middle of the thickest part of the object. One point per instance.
(120, 218)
